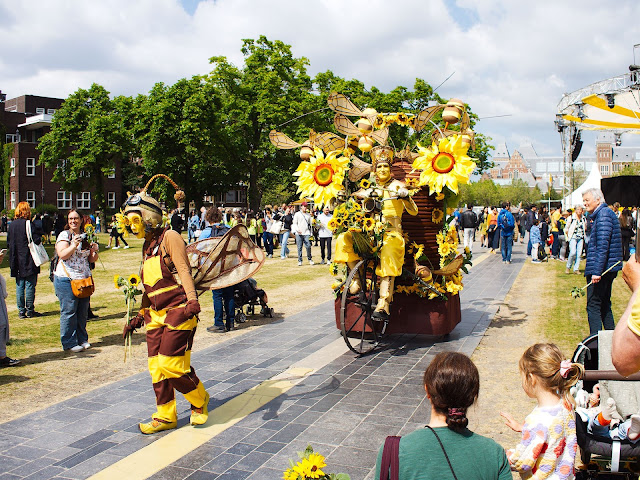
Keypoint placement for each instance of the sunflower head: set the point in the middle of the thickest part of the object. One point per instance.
(321, 177)
(437, 215)
(134, 280)
(368, 223)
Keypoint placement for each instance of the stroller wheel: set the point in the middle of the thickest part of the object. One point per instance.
(241, 317)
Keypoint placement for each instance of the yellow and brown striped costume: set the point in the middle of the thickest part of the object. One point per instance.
(169, 331)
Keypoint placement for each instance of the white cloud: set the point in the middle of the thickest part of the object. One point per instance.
(509, 57)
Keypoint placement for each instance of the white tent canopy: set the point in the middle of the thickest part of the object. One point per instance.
(575, 197)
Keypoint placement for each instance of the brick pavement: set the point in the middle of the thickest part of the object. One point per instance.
(344, 410)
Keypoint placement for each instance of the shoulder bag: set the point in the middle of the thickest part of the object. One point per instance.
(390, 462)
(38, 252)
(275, 227)
(81, 288)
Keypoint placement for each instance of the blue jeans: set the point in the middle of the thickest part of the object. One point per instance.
(575, 252)
(26, 294)
(73, 314)
(267, 239)
(599, 311)
(555, 246)
(284, 238)
(223, 298)
(617, 433)
(505, 247)
(303, 239)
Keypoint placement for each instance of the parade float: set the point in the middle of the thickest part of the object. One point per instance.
(397, 266)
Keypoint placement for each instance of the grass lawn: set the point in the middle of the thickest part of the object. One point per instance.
(564, 318)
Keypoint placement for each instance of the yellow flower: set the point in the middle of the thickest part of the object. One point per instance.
(439, 238)
(437, 215)
(290, 474)
(339, 221)
(116, 281)
(440, 196)
(364, 183)
(355, 229)
(321, 177)
(453, 287)
(466, 250)
(444, 165)
(335, 285)
(378, 122)
(134, 280)
(369, 223)
(419, 250)
(444, 249)
(311, 467)
(332, 225)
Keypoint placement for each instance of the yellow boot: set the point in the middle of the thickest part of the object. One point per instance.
(155, 426)
(200, 415)
(355, 286)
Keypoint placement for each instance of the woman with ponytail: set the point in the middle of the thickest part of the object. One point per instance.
(548, 445)
(446, 448)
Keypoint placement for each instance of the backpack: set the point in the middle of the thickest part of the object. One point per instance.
(508, 223)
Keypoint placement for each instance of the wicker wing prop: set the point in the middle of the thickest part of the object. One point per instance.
(225, 261)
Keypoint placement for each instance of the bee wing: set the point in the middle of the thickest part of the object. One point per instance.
(372, 114)
(339, 103)
(329, 142)
(345, 126)
(380, 136)
(464, 125)
(425, 115)
(281, 141)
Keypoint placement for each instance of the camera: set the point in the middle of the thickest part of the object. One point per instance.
(83, 236)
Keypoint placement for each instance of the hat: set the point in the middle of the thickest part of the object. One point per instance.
(382, 154)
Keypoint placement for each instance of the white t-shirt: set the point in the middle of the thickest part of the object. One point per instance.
(301, 223)
(323, 221)
(77, 264)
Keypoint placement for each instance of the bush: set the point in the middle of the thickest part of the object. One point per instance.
(45, 208)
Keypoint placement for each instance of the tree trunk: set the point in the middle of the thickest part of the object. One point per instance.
(255, 195)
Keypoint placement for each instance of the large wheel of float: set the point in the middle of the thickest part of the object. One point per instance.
(360, 332)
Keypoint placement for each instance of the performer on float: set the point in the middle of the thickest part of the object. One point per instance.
(395, 199)
(169, 312)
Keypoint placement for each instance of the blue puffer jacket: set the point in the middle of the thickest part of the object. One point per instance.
(605, 243)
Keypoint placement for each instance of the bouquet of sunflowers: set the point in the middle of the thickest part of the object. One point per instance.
(366, 232)
(131, 288)
(310, 467)
(90, 230)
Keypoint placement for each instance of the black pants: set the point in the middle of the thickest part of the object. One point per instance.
(325, 242)
(599, 303)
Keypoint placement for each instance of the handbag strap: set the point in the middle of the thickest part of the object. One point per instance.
(443, 451)
(390, 463)
(29, 236)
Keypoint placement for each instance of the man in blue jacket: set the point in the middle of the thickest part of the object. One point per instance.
(605, 251)
(506, 225)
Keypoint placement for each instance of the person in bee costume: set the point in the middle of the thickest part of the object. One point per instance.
(395, 199)
(169, 311)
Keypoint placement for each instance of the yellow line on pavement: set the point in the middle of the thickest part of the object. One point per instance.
(175, 445)
(481, 259)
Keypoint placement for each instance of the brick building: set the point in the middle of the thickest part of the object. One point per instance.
(23, 121)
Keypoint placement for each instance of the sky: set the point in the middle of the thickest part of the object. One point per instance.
(507, 57)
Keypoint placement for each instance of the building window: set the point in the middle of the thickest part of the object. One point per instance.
(39, 111)
(112, 173)
(111, 199)
(31, 198)
(64, 200)
(83, 200)
(12, 164)
(51, 111)
(13, 200)
(31, 167)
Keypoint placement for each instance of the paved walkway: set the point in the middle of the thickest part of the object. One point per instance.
(276, 389)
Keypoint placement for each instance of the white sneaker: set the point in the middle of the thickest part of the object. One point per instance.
(311, 262)
(77, 349)
(115, 248)
(86, 345)
(126, 247)
(107, 247)
(299, 264)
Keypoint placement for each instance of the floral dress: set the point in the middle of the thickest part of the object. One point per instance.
(548, 445)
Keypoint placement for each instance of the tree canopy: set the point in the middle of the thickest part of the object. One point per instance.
(89, 134)
(211, 132)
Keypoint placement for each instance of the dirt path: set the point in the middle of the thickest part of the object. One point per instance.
(515, 327)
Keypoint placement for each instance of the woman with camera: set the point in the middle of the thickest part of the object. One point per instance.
(74, 254)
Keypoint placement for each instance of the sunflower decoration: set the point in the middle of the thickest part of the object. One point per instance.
(321, 177)
(369, 223)
(310, 467)
(131, 288)
(437, 215)
(365, 183)
(444, 164)
(332, 224)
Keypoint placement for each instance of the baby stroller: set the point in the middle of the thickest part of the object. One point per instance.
(248, 294)
(595, 354)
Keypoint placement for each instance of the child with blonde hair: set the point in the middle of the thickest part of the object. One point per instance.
(548, 445)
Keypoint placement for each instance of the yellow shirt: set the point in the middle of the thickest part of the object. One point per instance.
(555, 216)
(634, 319)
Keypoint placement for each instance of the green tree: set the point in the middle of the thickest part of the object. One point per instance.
(89, 134)
(630, 169)
(575, 175)
(271, 88)
(176, 131)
